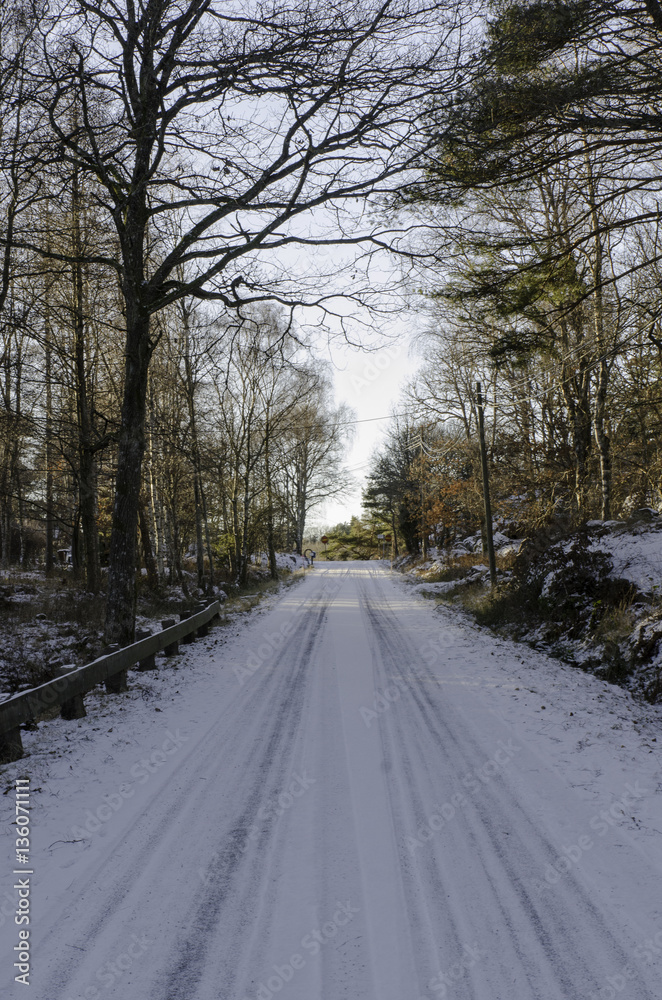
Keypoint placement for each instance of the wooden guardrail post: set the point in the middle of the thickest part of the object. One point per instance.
(173, 648)
(119, 682)
(149, 662)
(73, 708)
(203, 629)
(183, 615)
(11, 746)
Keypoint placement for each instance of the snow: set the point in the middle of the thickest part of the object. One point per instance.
(474, 543)
(637, 556)
(287, 560)
(346, 794)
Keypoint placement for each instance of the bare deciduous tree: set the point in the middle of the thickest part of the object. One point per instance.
(237, 122)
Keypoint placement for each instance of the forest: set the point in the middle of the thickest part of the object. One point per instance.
(193, 195)
(540, 260)
(168, 171)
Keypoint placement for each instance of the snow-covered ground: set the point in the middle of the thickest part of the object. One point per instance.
(350, 794)
(634, 547)
(636, 552)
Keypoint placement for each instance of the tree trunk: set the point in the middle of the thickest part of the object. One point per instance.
(576, 394)
(288, 515)
(602, 440)
(301, 498)
(9, 478)
(243, 574)
(395, 535)
(199, 548)
(236, 530)
(156, 499)
(121, 604)
(195, 451)
(175, 574)
(87, 478)
(271, 548)
(75, 543)
(50, 521)
(131, 219)
(5, 535)
(23, 555)
(602, 382)
(148, 554)
(210, 555)
(225, 515)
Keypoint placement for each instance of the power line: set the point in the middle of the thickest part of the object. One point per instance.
(369, 420)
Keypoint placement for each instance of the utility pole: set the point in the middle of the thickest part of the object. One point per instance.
(486, 486)
(424, 537)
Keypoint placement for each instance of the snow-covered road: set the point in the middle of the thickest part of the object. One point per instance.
(356, 797)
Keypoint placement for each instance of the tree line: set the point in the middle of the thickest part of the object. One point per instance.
(160, 154)
(542, 256)
(242, 437)
(168, 169)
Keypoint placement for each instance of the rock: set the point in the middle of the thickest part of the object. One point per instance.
(645, 515)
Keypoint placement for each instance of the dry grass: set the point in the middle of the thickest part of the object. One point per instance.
(456, 568)
(616, 623)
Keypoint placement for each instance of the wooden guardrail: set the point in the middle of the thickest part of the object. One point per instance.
(68, 690)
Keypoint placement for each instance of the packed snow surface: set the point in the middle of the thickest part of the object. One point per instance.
(349, 794)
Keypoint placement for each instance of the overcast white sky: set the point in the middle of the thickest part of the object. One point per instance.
(370, 383)
(368, 380)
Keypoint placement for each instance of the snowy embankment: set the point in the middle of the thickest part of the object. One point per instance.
(635, 550)
(349, 793)
(634, 547)
(439, 560)
(592, 597)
